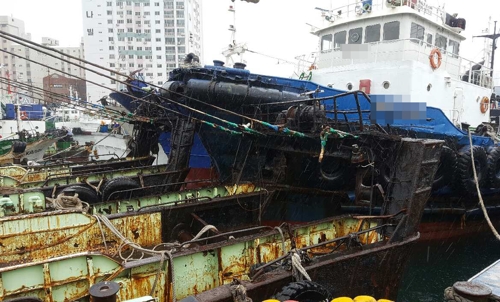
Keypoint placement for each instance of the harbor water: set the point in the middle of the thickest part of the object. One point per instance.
(436, 265)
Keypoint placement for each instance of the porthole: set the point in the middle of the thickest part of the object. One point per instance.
(386, 84)
(349, 86)
(429, 87)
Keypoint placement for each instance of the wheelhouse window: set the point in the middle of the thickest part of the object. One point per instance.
(326, 42)
(417, 32)
(441, 41)
(391, 31)
(372, 33)
(454, 47)
(339, 39)
(355, 35)
(429, 39)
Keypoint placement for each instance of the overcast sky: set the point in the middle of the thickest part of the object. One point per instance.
(275, 28)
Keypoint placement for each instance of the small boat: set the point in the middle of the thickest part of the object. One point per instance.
(196, 243)
(27, 148)
(52, 171)
(22, 134)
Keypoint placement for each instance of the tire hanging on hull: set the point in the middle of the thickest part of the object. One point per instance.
(464, 176)
(494, 167)
(446, 168)
(85, 193)
(118, 188)
(303, 291)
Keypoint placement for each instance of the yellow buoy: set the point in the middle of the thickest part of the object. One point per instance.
(364, 299)
(342, 299)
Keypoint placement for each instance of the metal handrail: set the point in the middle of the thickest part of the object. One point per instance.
(355, 8)
(451, 60)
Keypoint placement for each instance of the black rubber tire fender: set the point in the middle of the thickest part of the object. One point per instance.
(116, 185)
(306, 291)
(446, 168)
(464, 176)
(85, 193)
(494, 167)
(340, 170)
(18, 147)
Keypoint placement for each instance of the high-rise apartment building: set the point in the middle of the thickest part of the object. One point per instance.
(20, 71)
(151, 35)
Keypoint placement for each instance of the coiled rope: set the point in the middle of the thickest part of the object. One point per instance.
(63, 202)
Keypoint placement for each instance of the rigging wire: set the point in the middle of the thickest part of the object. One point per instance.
(68, 105)
(7, 35)
(58, 95)
(241, 127)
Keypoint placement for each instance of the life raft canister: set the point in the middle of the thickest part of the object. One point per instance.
(435, 58)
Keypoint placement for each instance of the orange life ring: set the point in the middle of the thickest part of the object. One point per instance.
(432, 58)
(24, 115)
(484, 105)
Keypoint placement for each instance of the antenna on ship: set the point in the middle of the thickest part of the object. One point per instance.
(493, 37)
(235, 48)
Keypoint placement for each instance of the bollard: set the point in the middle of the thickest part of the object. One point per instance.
(473, 291)
(104, 291)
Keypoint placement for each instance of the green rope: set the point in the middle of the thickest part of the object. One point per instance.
(324, 138)
(220, 128)
(341, 134)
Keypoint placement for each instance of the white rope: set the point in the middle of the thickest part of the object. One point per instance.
(205, 229)
(297, 266)
(102, 231)
(158, 273)
(125, 241)
(136, 247)
(485, 212)
(282, 239)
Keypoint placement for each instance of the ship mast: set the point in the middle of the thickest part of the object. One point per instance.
(235, 48)
(493, 37)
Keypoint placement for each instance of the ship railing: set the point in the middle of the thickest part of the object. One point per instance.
(409, 49)
(344, 116)
(359, 111)
(162, 189)
(356, 8)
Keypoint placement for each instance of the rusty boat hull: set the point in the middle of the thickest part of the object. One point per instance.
(335, 246)
(148, 244)
(376, 272)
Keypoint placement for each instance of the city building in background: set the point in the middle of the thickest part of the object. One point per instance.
(59, 84)
(152, 36)
(24, 74)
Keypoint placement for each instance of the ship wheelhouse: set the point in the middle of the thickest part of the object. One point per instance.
(401, 47)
